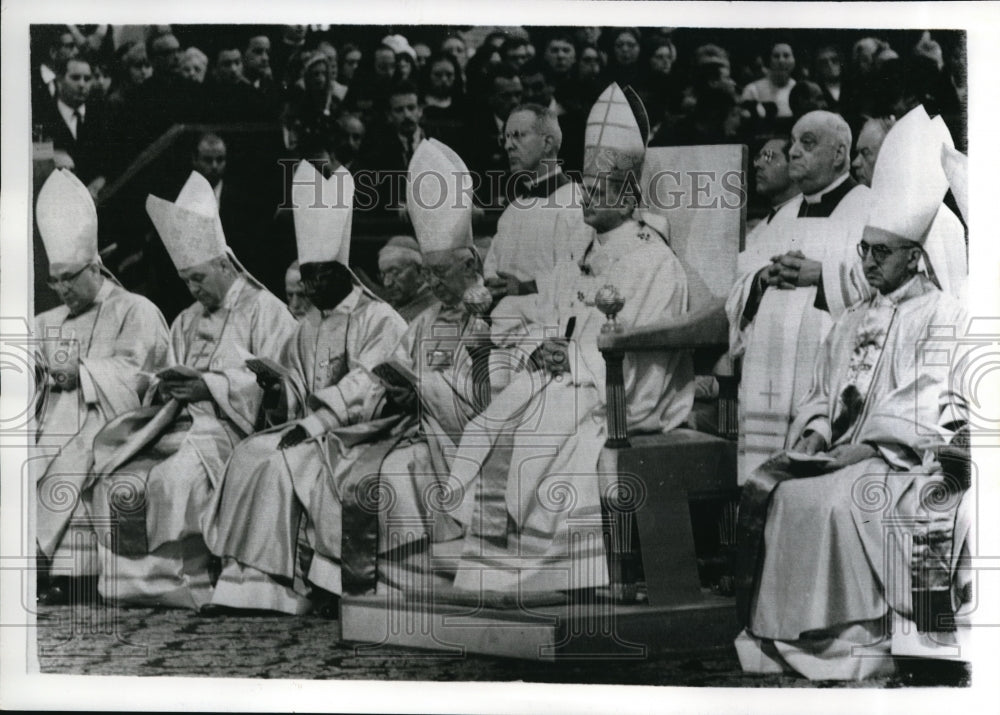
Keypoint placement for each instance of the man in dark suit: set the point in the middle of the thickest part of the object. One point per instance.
(76, 126)
(388, 153)
(59, 47)
(242, 210)
(483, 151)
(231, 97)
(165, 99)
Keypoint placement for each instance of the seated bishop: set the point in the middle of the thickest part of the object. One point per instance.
(363, 473)
(528, 465)
(270, 503)
(156, 468)
(851, 541)
(98, 350)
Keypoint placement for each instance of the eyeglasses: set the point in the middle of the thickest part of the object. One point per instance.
(514, 137)
(65, 279)
(765, 157)
(879, 251)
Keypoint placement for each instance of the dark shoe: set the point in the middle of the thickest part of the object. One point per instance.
(326, 605)
(53, 595)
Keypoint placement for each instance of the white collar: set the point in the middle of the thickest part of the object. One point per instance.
(47, 74)
(67, 111)
(815, 198)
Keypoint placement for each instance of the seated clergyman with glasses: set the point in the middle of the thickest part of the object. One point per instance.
(401, 268)
(849, 535)
(97, 352)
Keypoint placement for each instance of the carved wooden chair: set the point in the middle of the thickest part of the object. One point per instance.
(676, 496)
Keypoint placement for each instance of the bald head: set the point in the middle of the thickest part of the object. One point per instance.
(820, 151)
(870, 140)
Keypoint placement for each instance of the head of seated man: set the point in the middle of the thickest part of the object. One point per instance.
(888, 260)
(76, 284)
(326, 283)
(209, 282)
(450, 273)
(609, 200)
(532, 139)
(295, 292)
(400, 264)
(820, 152)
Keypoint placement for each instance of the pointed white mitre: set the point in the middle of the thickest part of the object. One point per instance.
(613, 142)
(189, 227)
(67, 219)
(908, 182)
(956, 168)
(322, 210)
(439, 198)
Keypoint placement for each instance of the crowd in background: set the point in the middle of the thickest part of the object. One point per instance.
(363, 97)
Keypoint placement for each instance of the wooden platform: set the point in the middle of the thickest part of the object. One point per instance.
(543, 628)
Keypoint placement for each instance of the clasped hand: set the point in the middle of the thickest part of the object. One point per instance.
(504, 284)
(843, 455)
(191, 389)
(554, 353)
(292, 437)
(792, 270)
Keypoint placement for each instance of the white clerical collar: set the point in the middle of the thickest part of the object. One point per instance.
(818, 196)
(347, 305)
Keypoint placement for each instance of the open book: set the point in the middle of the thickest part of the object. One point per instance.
(178, 372)
(266, 366)
(803, 458)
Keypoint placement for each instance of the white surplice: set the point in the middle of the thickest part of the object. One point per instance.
(556, 428)
(779, 345)
(158, 498)
(117, 342)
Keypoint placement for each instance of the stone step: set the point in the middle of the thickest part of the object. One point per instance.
(535, 627)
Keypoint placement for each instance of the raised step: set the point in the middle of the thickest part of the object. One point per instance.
(536, 627)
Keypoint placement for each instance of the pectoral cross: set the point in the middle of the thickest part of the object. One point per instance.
(201, 358)
(323, 367)
(769, 393)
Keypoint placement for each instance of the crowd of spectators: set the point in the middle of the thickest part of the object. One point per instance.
(364, 97)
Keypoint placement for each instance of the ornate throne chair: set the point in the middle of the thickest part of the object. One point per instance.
(676, 491)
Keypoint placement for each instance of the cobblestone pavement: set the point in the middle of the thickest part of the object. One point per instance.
(98, 640)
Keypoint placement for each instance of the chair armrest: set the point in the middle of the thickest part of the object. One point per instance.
(707, 327)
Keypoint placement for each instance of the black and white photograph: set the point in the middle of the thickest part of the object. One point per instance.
(567, 356)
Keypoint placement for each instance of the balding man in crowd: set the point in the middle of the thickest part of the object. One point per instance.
(945, 241)
(542, 227)
(799, 275)
(401, 265)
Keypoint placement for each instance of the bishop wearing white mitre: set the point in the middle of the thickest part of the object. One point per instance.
(529, 463)
(157, 467)
(98, 349)
(271, 518)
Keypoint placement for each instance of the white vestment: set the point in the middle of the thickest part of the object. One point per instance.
(116, 343)
(844, 551)
(779, 344)
(539, 441)
(157, 466)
